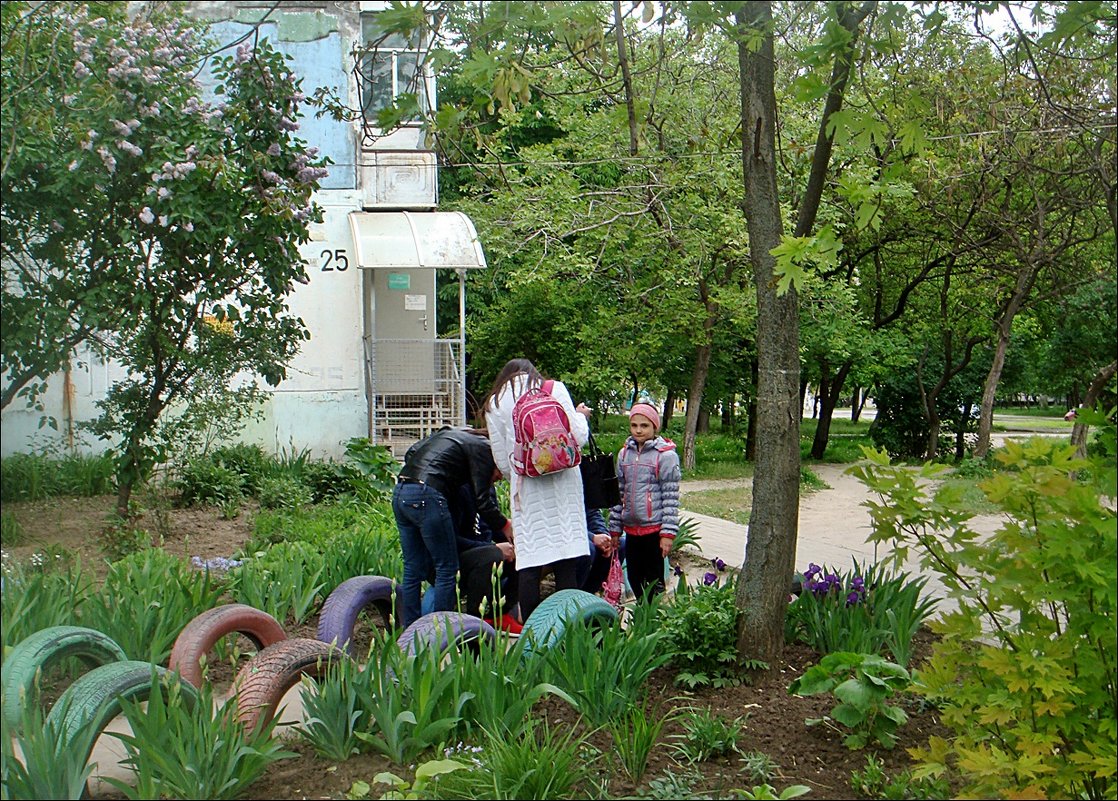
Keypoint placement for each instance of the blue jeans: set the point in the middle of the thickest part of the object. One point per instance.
(428, 542)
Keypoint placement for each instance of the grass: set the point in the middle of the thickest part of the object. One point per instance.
(726, 504)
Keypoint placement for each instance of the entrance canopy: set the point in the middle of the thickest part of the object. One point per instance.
(402, 240)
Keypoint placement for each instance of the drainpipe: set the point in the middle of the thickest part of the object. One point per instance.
(461, 346)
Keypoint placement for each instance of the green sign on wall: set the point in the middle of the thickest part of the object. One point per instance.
(399, 281)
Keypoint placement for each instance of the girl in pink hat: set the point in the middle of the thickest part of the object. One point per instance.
(648, 475)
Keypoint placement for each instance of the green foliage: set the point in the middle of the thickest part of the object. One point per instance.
(283, 492)
(862, 684)
(426, 774)
(204, 480)
(26, 477)
(39, 594)
(122, 538)
(110, 208)
(635, 734)
(539, 763)
(332, 710)
(867, 610)
(410, 703)
(700, 631)
(759, 766)
(707, 735)
(503, 687)
(872, 782)
(50, 765)
(249, 462)
(182, 747)
(283, 581)
(766, 792)
(1024, 672)
(11, 531)
(672, 786)
(605, 668)
(147, 599)
(352, 539)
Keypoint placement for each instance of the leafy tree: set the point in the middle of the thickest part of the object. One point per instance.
(163, 223)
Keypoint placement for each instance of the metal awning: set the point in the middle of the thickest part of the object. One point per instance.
(404, 240)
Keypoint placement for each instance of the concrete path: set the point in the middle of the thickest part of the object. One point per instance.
(833, 527)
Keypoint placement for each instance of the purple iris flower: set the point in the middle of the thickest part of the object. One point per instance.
(710, 578)
(853, 598)
(677, 570)
(719, 565)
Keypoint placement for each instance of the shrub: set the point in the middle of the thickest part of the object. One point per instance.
(1024, 673)
(26, 477)
(283, 492)
(700, 631)
(202, 480)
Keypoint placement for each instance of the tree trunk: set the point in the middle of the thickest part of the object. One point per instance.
(762, 594)
(1079, 430)
(694, 401)
(751, 411)
(669, 410)
(856, 401)
(829, 392)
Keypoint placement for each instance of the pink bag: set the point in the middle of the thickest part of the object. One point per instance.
(613, 588)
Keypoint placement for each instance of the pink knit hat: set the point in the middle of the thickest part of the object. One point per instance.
(647, 410)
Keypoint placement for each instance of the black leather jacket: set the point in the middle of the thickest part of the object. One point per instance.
(450, 458)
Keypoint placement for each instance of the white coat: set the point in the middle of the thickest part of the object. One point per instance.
(548, 513)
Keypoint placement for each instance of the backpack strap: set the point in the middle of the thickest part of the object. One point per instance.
(547, 385)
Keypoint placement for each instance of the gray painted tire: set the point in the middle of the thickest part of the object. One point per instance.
(43, 649)
(441, 630)
(545, 626)
(95, 698)
(262, 682)
(203, 632)
(342, 607)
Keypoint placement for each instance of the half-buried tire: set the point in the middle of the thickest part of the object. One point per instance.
(342, 607)
(203, 632)
(441, 630)
(93, 700)
(545, 626)
(262, 682)
(43, 649)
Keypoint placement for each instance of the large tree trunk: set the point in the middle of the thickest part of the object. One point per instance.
(762, 593)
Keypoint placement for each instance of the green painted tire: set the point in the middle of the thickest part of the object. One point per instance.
(545, 626)
(94, 699)
(48, 647)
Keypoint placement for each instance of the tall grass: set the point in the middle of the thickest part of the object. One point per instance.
(24, 477)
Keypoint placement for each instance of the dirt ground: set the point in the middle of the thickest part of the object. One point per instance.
(774, 721)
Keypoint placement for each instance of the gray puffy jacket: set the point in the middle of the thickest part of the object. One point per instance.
(649, 482)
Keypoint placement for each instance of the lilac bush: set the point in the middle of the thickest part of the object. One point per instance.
(149, 216)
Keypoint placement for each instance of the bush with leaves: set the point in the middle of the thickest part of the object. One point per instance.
(700, 633)
(1024, 673)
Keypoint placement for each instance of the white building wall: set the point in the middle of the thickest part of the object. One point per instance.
(322, 403)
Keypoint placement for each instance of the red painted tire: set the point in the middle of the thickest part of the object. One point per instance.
(443, 629)
(263, 681)
(200, 635)
(339, 613)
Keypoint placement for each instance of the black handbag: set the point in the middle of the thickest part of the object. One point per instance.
(599, 477)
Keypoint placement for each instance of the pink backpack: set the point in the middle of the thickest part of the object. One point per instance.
(542, 432)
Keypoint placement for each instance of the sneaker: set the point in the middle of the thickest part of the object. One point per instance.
(510, 624)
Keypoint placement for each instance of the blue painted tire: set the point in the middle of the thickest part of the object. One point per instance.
(545, 626)
(44, 648)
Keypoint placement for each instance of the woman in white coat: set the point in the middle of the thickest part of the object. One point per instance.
(548, 514)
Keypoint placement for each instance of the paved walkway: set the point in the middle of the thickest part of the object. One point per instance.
(833, 527)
